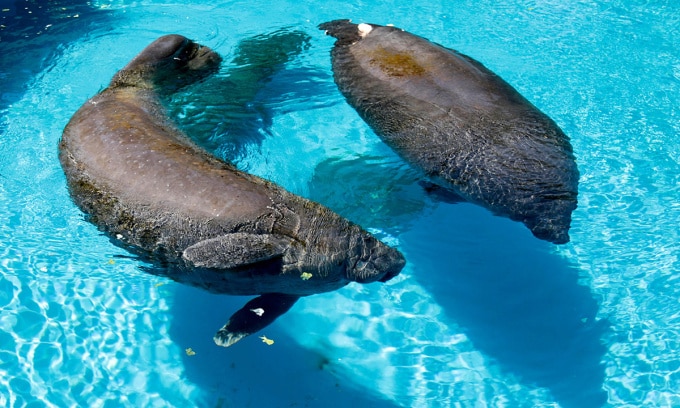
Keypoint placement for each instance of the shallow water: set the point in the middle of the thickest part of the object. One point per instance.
(483, 314)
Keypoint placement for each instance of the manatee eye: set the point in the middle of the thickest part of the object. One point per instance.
(165, 47)
(187, 52)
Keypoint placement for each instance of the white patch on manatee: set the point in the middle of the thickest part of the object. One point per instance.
(259, 311)
(364, 29)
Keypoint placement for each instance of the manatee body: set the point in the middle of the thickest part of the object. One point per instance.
(205, 223)
(459, 123)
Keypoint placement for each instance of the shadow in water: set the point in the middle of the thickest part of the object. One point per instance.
(366, 190)
(519, 304)
(252, 373)
(234, 109)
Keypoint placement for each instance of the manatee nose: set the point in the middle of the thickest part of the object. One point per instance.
(392, 262)
(378, 263)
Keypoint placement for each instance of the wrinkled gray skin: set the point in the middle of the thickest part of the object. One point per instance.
(461, 124)
(154, 192)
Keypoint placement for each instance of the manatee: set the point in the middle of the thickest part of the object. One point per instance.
(463, 126)
(199, 219)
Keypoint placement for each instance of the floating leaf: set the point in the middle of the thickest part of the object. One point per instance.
(190, 352)
(266, 340)
(111, 262)
(305, 275)
(159, 284)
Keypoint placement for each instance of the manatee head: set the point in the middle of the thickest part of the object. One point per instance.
(336, 249)
(169, 63)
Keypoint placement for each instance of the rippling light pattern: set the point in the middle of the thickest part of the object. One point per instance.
(482, 315)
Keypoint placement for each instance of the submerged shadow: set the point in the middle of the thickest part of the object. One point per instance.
(519, 304)
(233, 109)
(364, 189)
(252, 373)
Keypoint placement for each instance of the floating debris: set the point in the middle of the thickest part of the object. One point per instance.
(306, 275)
(190, 352)
(111, 262)
(266, 340)
(159, 284)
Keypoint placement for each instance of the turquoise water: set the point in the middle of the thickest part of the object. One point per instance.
(483, 314)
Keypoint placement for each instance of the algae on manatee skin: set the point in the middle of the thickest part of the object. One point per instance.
(397, 64)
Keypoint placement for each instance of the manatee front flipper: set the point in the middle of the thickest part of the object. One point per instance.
(234, 250)
(440, 193)
(254, 316)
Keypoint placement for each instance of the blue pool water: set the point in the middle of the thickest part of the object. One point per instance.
(483, 314)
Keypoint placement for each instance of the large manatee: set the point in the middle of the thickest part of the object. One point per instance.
(204, 222)
(460, 123)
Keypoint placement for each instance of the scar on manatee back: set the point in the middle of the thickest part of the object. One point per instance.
(397, 64)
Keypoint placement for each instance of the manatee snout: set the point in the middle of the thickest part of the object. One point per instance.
(375, 261)
(192, 60)
(202, 58)
(391, 261)
(180, 51)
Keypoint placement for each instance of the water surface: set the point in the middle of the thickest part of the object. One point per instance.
(483, 314)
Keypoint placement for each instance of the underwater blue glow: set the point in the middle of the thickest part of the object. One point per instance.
(484, 314)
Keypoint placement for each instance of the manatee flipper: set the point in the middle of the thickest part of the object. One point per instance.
(254, 316)
(234, 250)
(440, 193)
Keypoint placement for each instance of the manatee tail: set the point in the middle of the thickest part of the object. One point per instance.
(253, 317)
(345, 31)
